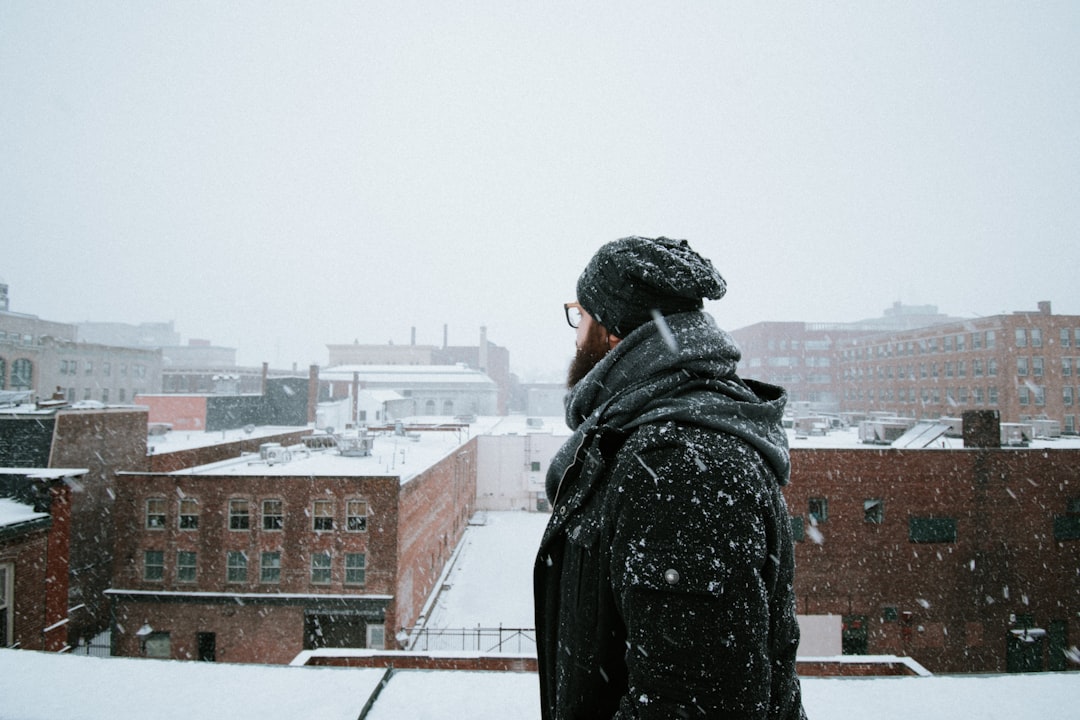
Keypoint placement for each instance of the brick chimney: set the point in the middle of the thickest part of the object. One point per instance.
(982, 429)
(312, 392)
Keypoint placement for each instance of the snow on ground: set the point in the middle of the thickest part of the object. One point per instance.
(41, 686)
(490, 583)
(430, 695)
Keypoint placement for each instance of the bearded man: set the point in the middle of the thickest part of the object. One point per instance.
(663, 583)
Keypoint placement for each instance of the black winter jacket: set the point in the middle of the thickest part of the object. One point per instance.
(663, 584)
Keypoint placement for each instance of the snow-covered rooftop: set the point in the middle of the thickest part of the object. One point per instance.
(399, 455)
(15, 513)
(849, 438)
(174, 440)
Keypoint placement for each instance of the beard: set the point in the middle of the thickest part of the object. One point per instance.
(591, 352)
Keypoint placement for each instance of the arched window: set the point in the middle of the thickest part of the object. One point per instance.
(448, 407)
(22, 374)
(429, 407)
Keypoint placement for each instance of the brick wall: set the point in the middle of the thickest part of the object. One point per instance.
(434, 509)
(946, 604)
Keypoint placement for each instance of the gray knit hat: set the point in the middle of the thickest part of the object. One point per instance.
(629, 278)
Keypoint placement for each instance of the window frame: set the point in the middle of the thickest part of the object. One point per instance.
(321, 520)
(234, 570)
(354, 570)
(159, 573)
(156, 520)
(186, 566)
(356, 522)
(822, 513)
(270, 572)
(277, 520)
(239, 521)
(187, 520)
(322, 574)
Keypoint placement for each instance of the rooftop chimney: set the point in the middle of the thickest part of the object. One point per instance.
(982, 429)
(1044, 307)
(482, 361)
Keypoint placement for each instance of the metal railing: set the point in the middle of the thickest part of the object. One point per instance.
(478, 639)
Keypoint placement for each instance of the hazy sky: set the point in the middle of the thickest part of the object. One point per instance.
(277, 176)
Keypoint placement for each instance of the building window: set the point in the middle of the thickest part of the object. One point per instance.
(185, 566)
(376, 636)
(1036, 337)
(1023, 394)
(1022, 366)
(991, 340)
(355, 568)
(1067, 395)
(323, 515)
(189, 514)
(356, 516)
(798, 529)
(932, 530)
(105, 395)
(158, 645)
(1039, 392)
(236, 567)
(818, 510)
(873, 511)
(1021, 337)
(1064, 337)
(154, 565)
(320, 568)
(1037, 366)
(22, 374)
(155, 513)
(270, 567)
(1066, 366)
(534, 466)
(991, 367)
(273, 514)
(106, 369)
(977, 368)
(88, 367)
(239, 514)
(992, 395)
(7, 614)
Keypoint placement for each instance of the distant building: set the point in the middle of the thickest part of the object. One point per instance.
(102, 441)
(513, 459)
(1025, 365)
(35, 517)
(258, 558)
(487, 357)
(428, 390)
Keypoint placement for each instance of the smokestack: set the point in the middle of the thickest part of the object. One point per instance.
(412, 336)
(265, 374)
(355, 396)
(482, 361)
(312, 392)
(445, 335)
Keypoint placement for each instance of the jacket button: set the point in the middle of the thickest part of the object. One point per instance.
(671, 576)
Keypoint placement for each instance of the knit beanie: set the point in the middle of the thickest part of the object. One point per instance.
(628, 279)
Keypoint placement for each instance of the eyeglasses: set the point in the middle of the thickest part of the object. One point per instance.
(573, 314)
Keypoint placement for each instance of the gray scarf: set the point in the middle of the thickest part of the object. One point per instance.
(679, 369)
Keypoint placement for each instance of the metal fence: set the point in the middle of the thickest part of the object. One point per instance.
(486, 640)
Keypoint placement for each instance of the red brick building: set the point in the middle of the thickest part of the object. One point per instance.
(102, 441)
(258, 558)
(965, 560)
(35, 522)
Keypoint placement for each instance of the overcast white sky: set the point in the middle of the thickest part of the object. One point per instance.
(277, 176)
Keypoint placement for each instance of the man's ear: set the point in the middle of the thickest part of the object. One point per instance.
(612, 341)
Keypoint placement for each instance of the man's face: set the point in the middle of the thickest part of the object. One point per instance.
(592, 345)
